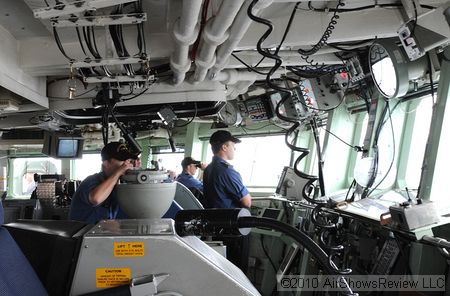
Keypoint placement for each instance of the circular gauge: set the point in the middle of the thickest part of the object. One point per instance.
(228, 114)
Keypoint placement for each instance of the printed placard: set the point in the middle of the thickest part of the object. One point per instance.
(112, 277)
(129, 249)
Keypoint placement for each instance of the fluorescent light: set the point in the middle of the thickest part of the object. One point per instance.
(75, 7)
(107, 62)
(104, 20)
(136, 78)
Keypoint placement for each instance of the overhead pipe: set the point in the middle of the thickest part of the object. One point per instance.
(239, 81)
(214, 34)
(237, 32)
(185, 31)
(232, 76)
(239, 89)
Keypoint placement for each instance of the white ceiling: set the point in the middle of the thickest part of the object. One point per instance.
(29, 56)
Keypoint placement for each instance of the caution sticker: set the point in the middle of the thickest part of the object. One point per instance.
(112, 277)
(129, 249)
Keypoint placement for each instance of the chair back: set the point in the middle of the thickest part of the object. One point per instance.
(17, 277)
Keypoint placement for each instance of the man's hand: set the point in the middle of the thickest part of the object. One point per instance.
(126, 165)
(203, 166)
(136, 163)
(172, 175)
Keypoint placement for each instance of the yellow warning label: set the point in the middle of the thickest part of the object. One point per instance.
(129, 249)
(112, 277)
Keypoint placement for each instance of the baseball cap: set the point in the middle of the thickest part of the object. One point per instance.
(189, 160)
(117, 150)
(221, 136)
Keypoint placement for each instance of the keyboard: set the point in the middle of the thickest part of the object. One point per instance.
(387, 257)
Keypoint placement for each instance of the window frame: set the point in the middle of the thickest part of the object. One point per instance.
(12, 185)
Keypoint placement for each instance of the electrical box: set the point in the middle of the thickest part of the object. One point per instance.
(413, 216)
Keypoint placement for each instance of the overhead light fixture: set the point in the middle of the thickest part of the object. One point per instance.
(72, 83)
(391, 70)
(88, 62)
(167, 115)
(119, 78)
(62, 9)
(100, 20)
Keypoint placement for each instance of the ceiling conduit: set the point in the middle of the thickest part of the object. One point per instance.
(185, 33)
(237, 32)
(238, 81)
(214, 34)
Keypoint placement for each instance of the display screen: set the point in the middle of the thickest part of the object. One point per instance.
(67, 148)
(271, 213)
(259, 108)
(59, 145)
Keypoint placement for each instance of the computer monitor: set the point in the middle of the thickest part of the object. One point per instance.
(272, 213)
(69, 147)
(59, 145)
(291, 185)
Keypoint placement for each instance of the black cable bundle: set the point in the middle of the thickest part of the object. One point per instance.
(60, 46)
(105, 125)
(309, 187)
(117, 38)
(110, 97)
(324, 260)
(386, 110)
(140, 29)
(89, 39)
(326, 34)
(88, 35)
(266, 52)
(316, 70)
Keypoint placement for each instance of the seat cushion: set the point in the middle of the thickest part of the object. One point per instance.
(2, 215)
(17, 277)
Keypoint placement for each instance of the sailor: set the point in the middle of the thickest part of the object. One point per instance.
(95, 198)
(223, 186)
(186, 177)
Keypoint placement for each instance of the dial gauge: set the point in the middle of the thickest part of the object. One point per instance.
(228, 114)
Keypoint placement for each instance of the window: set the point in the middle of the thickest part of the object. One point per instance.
(169, 160)
(22, 170)
(418, 142)
(388, 148)
(260, 160)
(360, 122)
(365, 122)
(88, 165)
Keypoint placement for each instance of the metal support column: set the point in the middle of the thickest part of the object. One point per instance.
(437, 143)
